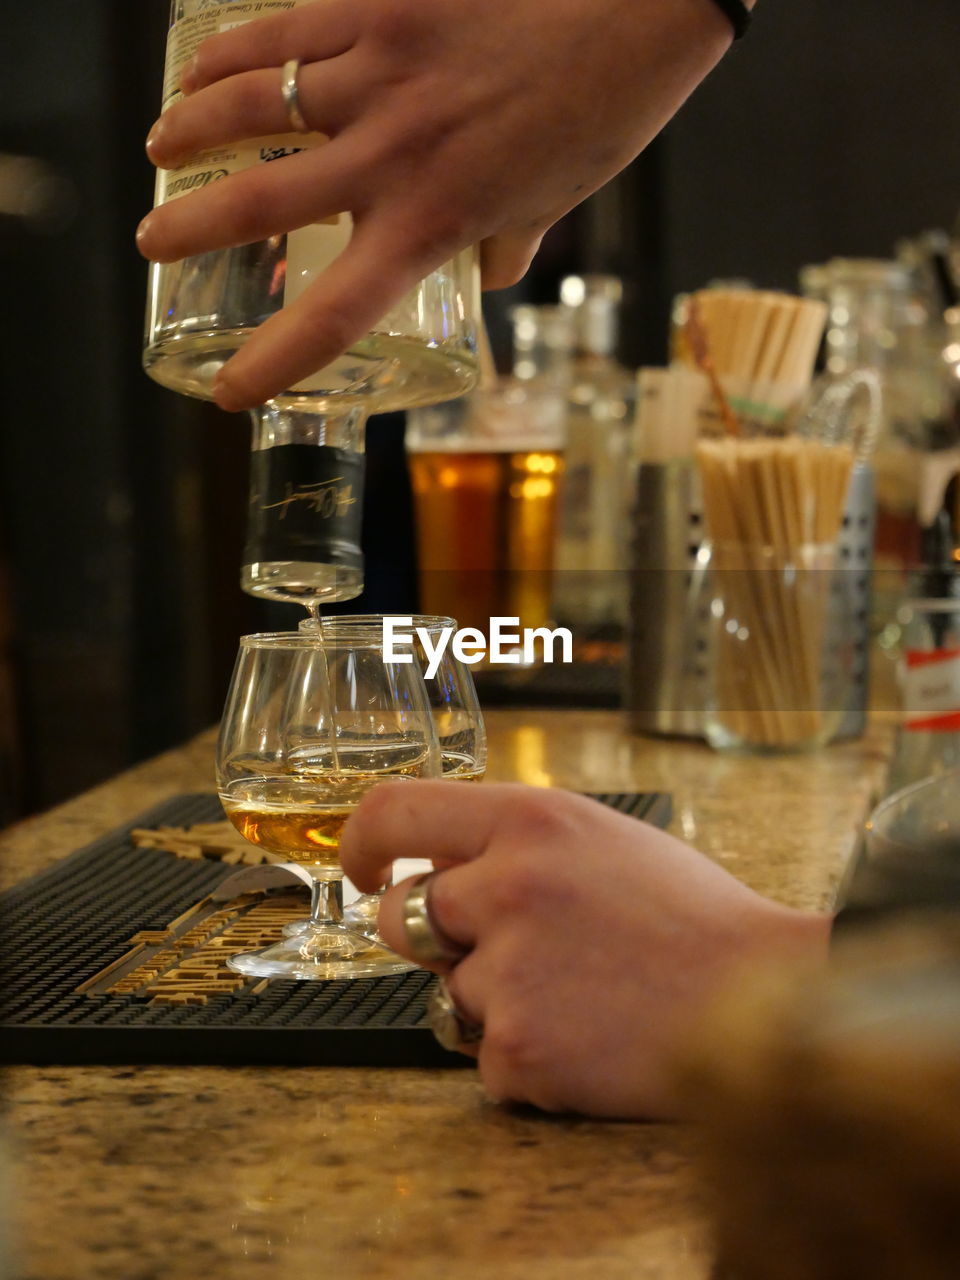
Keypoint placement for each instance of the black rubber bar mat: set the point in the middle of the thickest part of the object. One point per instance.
(110, 956)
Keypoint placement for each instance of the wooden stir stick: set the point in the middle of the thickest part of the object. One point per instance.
(699, 347)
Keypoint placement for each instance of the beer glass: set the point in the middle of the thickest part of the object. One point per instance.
(486, 473)
(457, 719)
(313, 720)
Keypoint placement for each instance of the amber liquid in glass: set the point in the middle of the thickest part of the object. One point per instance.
(301, 819)
(299, 835)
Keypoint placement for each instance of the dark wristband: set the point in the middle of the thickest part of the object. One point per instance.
(738, 14)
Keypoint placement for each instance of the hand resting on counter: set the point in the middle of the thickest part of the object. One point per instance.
(594, 939)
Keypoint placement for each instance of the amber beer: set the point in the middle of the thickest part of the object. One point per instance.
(486, 526)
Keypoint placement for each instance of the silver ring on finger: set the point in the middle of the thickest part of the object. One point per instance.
(452, 1028)
(427, 944)
(290, 91)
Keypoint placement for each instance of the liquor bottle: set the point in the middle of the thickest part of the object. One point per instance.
(593, 542)
(202, 309)
(881, 318)
(928, 741)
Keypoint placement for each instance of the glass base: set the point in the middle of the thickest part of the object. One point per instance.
(320, 953)
(361, 916)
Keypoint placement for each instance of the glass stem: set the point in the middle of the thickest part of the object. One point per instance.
(326, 902)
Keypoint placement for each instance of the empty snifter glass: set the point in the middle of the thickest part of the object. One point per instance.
(312, 722)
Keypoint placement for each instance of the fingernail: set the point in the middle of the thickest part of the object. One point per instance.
(153, 137)
(143, 230)
(188, 75)
(224, 396)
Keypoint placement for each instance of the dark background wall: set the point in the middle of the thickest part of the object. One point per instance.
(831, 130)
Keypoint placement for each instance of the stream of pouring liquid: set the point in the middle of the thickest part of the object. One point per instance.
(313, 612)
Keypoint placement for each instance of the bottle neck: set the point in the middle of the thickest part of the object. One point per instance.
(306, 506)
(543, 340)
(595, 301)
(341, 428)
(597, 328)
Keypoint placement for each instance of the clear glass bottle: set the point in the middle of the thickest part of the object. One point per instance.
(543, 346)
(928, 742)
(202, 309)
(591, 584)
(880, 317)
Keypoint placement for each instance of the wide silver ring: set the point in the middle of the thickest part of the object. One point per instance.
(426, 943)
(290, 90)
(451, 1027)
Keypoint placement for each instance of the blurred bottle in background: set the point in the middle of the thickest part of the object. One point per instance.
(928, 741)
(929, 258)
(486, 473)
(591, 580)
(889, 316)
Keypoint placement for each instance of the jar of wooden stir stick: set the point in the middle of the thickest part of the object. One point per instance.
(773, 509)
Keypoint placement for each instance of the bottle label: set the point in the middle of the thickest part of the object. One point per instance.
(186, 33)
(931, 690)
(305, 505)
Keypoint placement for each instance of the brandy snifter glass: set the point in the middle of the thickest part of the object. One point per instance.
(313, 720)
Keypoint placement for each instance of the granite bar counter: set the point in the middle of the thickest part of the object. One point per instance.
(171, 1173)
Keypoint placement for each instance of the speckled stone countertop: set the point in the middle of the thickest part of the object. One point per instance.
(173, 1173)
